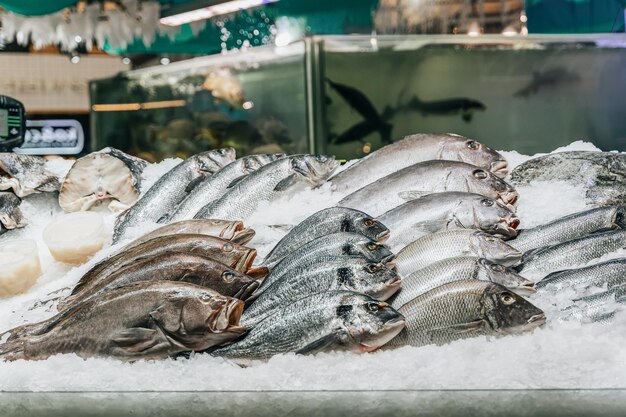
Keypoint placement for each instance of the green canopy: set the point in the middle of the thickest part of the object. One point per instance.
(36, 7)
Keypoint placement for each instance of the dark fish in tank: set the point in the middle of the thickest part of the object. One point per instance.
(465, 106)
(547, 78)
(362, 129)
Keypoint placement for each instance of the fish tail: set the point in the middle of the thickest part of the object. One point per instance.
(13, 348)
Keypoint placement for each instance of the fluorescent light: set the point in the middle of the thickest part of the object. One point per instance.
(139, 106)
(210, 11)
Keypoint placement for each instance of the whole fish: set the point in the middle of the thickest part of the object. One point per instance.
(542, 79)
(570, 227)
(145, 320)
(26, 174)
(602, 174)
(336, 244)
(576, 252)
(11, 216)
(611, 273)
(217, 184)
(173, 266)
(453, 243)
(231, 254)
(424, 178)
(446, 107)
(326, 222)
(335, 320)
(224, 229)
(458, 269)
(268, 183)
(171, 189)
(444, 211)
(463, 309)
(346, 273)
(418, 148)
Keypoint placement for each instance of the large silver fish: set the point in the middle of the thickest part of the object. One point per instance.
(464, 309)
(570, 227)
(444, 211)
(418, 148)
(426, 178)
(610, 273)
(11, 216)
(453, 243)
(336, 244)
(171, 189)
(26, 174)
(326, 222)
(217, 184)
(268, 183)
(349, 273)
(576, 252)
(145, 320)
(457, 269)
(334, 320)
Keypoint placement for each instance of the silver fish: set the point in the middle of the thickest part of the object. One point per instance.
(346, 273)
(268, 183)
(570, 227)
(335, 320)
(576, 252)
(10, 214)
(444, 211)
(612, 273)
(325, 222)
(171, 189)
(216, 185)
(418, 148)
(452, 243)
(336, 244)
(599, 307)
(26, 174)
(458, 269)
(464, 309)
(428, 177)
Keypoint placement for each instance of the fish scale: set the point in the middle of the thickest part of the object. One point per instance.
(612, 273)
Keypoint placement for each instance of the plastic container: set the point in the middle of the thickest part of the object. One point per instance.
(72, 238)
(19, 266)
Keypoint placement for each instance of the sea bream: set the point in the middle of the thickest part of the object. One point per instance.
(330, 321)
(414, 149)
(326, 222)
(26, 174)
(145, 320)
(286, 175)
(215, 186)
(458, 269)
(444, 211)
(464, 309)
(171, 189)
(426, 178)
(11, 216)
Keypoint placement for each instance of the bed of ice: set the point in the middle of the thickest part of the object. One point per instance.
(558, 355)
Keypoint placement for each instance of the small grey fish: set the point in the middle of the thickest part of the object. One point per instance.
(349, 273)
(26, 174)
(576, 252)
(284, 176)
(325, 222)
(336, 244)
(597, 307)
(458, 269)
(444, 211)
(453, 243)
(216, 185)
(464, 309)
(171, 189)
(10, 214)
(334, 320)
(414, 149)
(570, 227)
(426, 178)
(612, 273)
(145, 320)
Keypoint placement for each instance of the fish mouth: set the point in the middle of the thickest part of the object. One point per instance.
(510, 259)
(536, 321)
(499, 168)
(508, 198)
(390, 265)
(390, 288)
(526, 289)
(246, 261)
(383, 236)
(390, 330)
(227, 317)
(243, 235)
(507, 226)
(246, 291)
(388, 260)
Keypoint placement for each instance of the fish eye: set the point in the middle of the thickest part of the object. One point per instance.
(205, 297)
(228, 247)
(507, 298)
(373, 307)
(486, 202)
(228, 276)
(497, 268)
(369, 222)
(371, 268)
(473, 145)
(480, 174)
(372, 246)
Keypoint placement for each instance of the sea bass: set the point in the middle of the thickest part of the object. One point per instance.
(464, 309)
(171, 189)
(425, 178)
(418, 148)
(458, 269)
(335, 320)
(286, 175)
(453, 243)
(610, 273)
(26, 174)
(444, 211)
(145, 320)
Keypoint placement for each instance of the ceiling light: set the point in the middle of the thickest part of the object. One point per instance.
(75, 58)
(165, 60)
(126, 60)
(180, 16)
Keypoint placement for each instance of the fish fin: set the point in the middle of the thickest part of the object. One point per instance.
(430, 226)
(258, 272)
(236, 181)
(194, 183)
(412, 195)
(458, 329)
(323, 343)
(285, 183)
(467, 117)
(137, 339)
